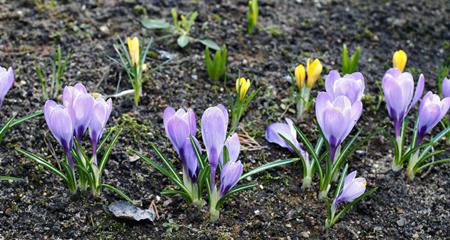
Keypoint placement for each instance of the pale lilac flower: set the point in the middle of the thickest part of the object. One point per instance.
(6, 82)
(99, 117)
(353, 188)
(288, 131)
(80, 104)
(446, 87)
(214, 131)
(431, 111)
(60, 124)
(350, 85)
(400, 96)
(233, 146)
(179, 125)
(229, 176)
(336, 117)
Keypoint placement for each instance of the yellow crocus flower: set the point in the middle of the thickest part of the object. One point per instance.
(314, 69)
(300, 75)
(133, 48)
(399, 60)
(242, 86)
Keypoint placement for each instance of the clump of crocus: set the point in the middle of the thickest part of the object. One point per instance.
(337, 111)
(6, 82)
(303, 89)
(285, 135)
(350, 190)
(180, 28)
(399, 60)
(218, 172)
(350, 64)
(400, 98)
(431, 111)
(51, 84)
(241, 101)
(132, 59)
(68, 123)
(217, 66)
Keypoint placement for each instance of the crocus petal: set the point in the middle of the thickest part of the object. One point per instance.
(178, 132)
(100, 115)
(353, 188)
(432, 109)
(446, 88)
(168, 113)
(274, 131)
(214, 131)
(189, 159)
(59, 122)
(229, 176)
(419, 90)
(6, 82)
(233, 146)
(330, 80)
(322, 101)
(225, 113)
(80, 111)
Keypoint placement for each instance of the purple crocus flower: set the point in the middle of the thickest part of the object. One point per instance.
(99, 116)
(80, 104)
(432, 109)
(6, 82)
(353, 188)
(350, 85)
(446, 88)
(336, 117)
(60, 124)
(214, 131)
(398, 91)
(179, 125)
(229, 176)
(287, 129)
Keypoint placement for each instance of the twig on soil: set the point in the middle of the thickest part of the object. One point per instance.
(249, 143)
(154, 208)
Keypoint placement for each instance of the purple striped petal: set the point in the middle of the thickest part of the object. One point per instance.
(229, 176)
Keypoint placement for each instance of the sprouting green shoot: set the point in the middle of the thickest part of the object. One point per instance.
(350, 64)
(216, 66)
(51, 85)
(252, 15)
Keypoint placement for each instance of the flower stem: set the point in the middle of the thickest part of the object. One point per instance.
(411, 165)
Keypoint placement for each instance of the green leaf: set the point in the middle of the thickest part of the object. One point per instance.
(42, 162)
(183, 41)
(4, 129)
(341, 181)
(10, 178)
(268, 166)
(172, 192)
(419, 169)
(117, 191)
(26, 118)
(155, 24)
(106, 154)
(210, 44)
(234, 191)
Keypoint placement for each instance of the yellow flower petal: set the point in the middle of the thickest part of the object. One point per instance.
(133, 49)
(314, 70)
(242, 86)
(300, 75)
(399, 60)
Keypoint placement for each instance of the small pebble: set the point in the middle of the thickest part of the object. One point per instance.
(401, 222)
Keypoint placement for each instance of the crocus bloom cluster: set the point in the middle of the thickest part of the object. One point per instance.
(446, 87)
(399, 60)
(353, 188)
(6, 82)
(79, 112)
(400, 96)
(214, 131)
(133, 49)
(179, 126)
(339, 108)
(431, 111)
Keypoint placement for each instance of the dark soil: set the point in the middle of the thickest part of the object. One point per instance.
(40, 207)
